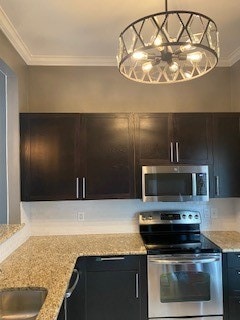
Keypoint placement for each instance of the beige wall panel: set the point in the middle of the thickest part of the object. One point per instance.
(10, 56)
(104, 89)
(235, 87)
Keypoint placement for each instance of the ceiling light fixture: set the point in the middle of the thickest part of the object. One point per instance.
(168, 47)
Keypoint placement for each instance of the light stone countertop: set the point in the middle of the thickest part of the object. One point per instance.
(228, 241)
(8, 230)
(48, 261)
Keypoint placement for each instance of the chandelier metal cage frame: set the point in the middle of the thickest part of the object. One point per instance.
(168, 47)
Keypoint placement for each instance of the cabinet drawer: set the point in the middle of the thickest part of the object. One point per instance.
(233, 260)
(104, 263)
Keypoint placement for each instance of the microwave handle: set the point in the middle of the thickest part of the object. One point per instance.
(194, 184)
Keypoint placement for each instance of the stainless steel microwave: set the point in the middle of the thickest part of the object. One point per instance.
(175, 183)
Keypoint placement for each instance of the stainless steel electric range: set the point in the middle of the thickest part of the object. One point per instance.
(184, 267)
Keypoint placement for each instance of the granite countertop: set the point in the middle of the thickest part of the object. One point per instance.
(8, 230)
(228, 241)
(48, 261)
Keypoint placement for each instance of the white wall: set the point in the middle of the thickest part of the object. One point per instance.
(118, 216)
(11, 150)
(237, 210)
(15, 241)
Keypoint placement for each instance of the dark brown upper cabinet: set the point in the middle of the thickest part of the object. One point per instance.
(174, 138)
(91, 156)
(73, 156)
(152, 138)
(49, 150)
(164, 138)
(226, 154)
(107, 169)
(192, 136)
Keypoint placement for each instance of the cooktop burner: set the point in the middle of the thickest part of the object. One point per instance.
(174, 232)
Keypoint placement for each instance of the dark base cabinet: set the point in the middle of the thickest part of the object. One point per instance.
(231, 285)
(111, 288)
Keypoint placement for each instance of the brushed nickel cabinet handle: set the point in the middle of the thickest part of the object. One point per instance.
(217, 191)
(77, 188)
(137, 285)
(171, 152)
(177, 151)
(111, 258)
(84, 187)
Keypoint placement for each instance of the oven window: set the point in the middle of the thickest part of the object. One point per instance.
(184, 286)
(171, 184)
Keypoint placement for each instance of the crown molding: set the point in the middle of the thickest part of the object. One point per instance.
(14, 37)
(51, 60)
(223, 62)
(234, 56)
(47, 60)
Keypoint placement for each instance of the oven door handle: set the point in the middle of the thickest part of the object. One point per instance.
(184, 260)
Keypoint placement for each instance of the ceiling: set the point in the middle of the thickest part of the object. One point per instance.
(75, 32)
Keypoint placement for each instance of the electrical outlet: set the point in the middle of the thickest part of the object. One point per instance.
(214, 213)
(206, 213)
(80, 216)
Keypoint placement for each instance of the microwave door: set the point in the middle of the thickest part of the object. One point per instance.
(168, 186)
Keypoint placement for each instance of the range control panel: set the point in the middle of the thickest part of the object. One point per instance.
(169, 217)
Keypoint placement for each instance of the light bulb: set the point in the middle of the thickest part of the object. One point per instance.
(187, 75)
(140, 55)
(173, 67)
(158, 41)
(147, 66)
(186, 47)
(194, 56)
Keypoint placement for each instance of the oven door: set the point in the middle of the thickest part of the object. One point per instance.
(185, 285)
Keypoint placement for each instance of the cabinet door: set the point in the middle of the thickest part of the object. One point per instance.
(231, 285)
(107, 167)
(175, 138)
(112, 295)
(113, 288)
(234, 308)
(152, 143)
(48, 156)
(153, 138)
(227, 155)
(192, 138)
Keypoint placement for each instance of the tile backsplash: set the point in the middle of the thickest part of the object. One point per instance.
(110, 216)
(120, 216)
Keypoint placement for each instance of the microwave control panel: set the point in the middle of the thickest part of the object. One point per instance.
(201, 184)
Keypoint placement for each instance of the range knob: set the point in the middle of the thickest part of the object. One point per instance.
(196, 216)
(150, 218)
(190, 216)
(184, 216)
